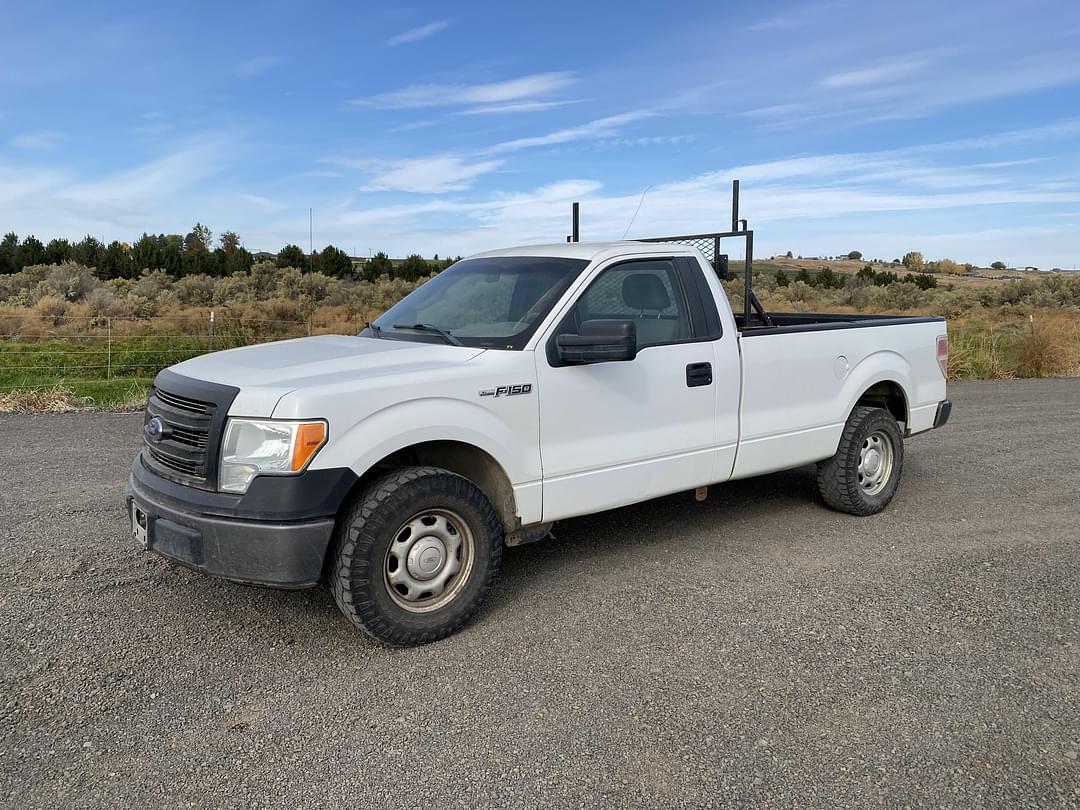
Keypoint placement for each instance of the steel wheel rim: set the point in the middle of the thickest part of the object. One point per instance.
(876, 458)
(429, 560)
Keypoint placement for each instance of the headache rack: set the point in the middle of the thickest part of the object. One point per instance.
(709, 245)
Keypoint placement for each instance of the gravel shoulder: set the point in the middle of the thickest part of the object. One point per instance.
(756, 649)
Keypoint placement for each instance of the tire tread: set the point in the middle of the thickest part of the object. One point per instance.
(350, 570)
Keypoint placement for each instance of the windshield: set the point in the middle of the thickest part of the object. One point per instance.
(494, 303)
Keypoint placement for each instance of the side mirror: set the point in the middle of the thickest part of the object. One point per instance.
(599, 342)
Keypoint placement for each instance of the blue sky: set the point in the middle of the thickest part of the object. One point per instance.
(950, 128)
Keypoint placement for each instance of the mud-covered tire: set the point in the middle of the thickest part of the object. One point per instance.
(360, 575)
(843, 480)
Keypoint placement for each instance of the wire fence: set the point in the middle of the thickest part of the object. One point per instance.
(39, 353)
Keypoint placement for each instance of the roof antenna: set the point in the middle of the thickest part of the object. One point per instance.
(639, 202)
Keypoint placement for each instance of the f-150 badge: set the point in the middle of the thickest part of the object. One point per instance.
(507, 390)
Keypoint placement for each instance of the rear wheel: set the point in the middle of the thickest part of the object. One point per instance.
(415, 555)
(864, 474)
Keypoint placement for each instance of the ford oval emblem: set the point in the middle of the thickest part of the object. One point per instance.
(155, 429)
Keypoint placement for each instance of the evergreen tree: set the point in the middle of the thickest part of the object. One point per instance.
(377, 265)
(292, 256)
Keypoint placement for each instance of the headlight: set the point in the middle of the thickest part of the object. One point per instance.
(266, 447)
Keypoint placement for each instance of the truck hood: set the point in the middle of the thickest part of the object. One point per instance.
(266, 372)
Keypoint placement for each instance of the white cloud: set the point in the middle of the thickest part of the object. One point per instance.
(451, 95)
(887, 72)
(430, 175)
(599, 128)
(255, 67)
(926, 191)
(118, 205)
(36, 140)
(515, 107)
(417, 34)
(437, 174)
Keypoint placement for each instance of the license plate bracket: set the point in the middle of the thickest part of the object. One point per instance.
(140, 524)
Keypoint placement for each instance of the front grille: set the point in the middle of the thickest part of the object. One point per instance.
(181, 453)
(182, 403)
(194, 413)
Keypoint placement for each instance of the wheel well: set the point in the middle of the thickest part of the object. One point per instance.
(887, 395)
(466, 460)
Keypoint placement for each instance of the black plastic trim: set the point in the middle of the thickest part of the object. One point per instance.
(944, 411)
(698, 374)
(219, 397)
(827, 322)
(707, 326)
(280, 555)
(311, 494)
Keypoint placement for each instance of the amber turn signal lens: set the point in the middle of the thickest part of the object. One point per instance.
(309, 438)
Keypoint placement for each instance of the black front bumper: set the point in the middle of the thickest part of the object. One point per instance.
(278, 537)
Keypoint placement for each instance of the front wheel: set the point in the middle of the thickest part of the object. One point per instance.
(415, 555)
(864, 474)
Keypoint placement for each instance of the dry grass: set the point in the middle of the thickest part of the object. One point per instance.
(113, 395)
(1049, 347)
(57, 399)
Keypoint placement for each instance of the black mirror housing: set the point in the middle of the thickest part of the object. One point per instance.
(599, 341)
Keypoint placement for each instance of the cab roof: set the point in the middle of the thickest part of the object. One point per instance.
(591, 251)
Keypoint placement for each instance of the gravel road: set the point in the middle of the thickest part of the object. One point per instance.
(756, 649)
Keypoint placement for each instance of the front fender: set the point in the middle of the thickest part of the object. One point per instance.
(428, 419)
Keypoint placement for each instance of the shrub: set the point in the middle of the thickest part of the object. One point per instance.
(197, 290)
(52, 310)
(1044, 348)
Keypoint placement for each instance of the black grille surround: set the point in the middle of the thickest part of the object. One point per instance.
(194, 414)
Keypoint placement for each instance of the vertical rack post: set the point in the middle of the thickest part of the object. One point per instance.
(748, 281)
(108, 342)
(210, 338)
(734, 206)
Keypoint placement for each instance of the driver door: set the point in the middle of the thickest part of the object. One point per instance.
(619, 432)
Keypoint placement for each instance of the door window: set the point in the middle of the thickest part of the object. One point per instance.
(647, 292)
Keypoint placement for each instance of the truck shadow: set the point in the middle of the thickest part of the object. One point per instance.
(775, 498)
(601, 539)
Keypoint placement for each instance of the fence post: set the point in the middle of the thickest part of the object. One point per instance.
(210, 340)
(108, 328)
(310, 316)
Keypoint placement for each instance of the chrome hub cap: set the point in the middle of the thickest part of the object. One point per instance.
(429, 560)
(875, 462)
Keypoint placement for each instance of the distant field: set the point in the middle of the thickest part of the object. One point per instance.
(69, 340)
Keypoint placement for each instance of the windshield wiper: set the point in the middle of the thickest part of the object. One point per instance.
(375, 330)
(427, 327)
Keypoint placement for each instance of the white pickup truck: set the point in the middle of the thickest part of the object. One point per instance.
(517, 388)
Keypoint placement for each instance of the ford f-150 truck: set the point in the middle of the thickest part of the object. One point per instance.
(514, 389)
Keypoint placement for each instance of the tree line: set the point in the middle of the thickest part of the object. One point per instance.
(828, 279)
(196, 253)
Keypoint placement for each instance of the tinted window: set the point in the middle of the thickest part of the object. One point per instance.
(647, 292)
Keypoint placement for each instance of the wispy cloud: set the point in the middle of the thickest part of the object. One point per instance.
(516, 107)
(886, 72)
(122, 203)
(255, 67)
(599, 128)
(36, 140)
(851, 190)
(436, 174)
(452, 95)
(779, 23)
(417, 34)
(429, 175)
